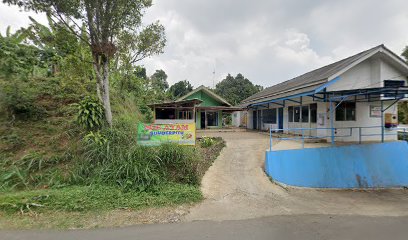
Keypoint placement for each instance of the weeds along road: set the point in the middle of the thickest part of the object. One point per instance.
(313, 227)
(236, 187)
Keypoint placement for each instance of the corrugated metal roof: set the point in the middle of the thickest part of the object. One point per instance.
(306, 82)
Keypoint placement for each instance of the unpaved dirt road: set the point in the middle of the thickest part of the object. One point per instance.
(236, 187)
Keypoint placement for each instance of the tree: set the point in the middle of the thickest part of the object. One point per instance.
(111, 26)
(234, 90)
(180, 89)
(159, 81)
(405, 53)
(16, 58)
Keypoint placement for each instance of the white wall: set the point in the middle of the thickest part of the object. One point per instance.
(370, 73)
(238, 118)
(249, 120)
(363, 119)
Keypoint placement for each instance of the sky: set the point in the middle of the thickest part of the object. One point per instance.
(268, 41)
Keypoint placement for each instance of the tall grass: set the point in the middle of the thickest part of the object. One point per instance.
(121, 162)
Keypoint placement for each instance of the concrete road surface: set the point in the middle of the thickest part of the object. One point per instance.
(236, 188)
(277, 227)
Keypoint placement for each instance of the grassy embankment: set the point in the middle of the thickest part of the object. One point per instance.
(55, 174)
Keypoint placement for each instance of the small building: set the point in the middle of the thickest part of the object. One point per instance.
(201, 106)
(353, 99)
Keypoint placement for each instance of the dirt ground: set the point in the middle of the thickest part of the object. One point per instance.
(236, 187)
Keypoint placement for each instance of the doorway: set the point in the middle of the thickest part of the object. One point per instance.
(202, 120)
(280, 119)
(254, 119)
(212, 119)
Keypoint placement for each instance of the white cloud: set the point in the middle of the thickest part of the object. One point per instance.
(15, 18)
(268, 41)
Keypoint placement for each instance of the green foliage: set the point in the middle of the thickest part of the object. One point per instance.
(159, 81)
(31, 170)
(96, 198)
(95, 138)
(18, 100)
(180, 89)
(405, 53)
(120, 162)
(206, 142)
(113, 30)
(234, 90)
(17, 59)
(403, 112)
(90, 113)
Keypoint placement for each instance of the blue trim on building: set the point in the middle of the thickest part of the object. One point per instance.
(284, 98)
(321, 88)
(379, 165)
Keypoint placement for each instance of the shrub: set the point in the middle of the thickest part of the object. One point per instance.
(18, 100)
(119, 161)
(206, 142)
(90, 113)
(32, 170)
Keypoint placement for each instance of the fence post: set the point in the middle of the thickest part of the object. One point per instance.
(331, 121)
(382, 122)
(359, 135)
(303, 139)
(270, 139)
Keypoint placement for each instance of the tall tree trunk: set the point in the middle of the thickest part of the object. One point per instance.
(105, 93)
(102, 85)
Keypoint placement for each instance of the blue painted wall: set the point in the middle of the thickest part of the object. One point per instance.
(355, 166)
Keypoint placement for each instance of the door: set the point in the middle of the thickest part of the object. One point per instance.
(254, 119)
(259, 125)
(202, 120)
(212, 119)
(280, 119)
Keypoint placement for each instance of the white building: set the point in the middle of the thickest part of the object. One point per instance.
(348, 100)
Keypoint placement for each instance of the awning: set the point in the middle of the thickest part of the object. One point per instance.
(220, 108)
(190, 103)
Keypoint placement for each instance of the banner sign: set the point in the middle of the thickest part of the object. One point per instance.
(375, 111)
(155, 134)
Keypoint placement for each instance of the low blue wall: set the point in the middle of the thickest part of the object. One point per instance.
(379, 165)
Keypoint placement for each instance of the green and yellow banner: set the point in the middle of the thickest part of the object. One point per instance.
(156, 134)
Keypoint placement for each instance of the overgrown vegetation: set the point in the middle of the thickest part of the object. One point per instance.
(95, 198)
(58, 152)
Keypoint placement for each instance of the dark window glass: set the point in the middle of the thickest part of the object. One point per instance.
(269, 115)
(185, 115)
(212, 119)
(305, 114)
(290, 114)
(346, 111)
(313, 112)
(296, 114)
(350, 111)
(394, 84)
(165, 113)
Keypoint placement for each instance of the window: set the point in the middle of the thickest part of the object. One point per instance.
(313, 112)
(346, 111)
(296, 114)
(212, 119)
(269, 116)
(394, 84)
(165, 113)
(185, 115)
(290, 114)
(305, 114)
